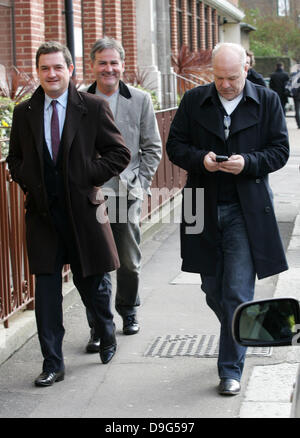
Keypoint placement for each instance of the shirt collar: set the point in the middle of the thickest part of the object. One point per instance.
(62, 99)
(210, 92)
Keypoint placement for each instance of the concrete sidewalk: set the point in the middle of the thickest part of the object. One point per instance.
(168, 370)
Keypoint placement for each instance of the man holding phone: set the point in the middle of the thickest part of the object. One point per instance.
(229, 135)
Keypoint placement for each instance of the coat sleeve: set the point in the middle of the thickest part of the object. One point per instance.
(180, 148)
(150, 143)
(113, 156)
(15, 157)
(274, 154)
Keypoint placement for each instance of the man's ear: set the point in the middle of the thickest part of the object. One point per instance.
(71, 69)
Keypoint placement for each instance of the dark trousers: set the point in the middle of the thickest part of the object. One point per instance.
(48, 296)
(297, 111)
(127, 235)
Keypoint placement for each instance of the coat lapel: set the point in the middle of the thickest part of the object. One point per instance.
(123, 109)
(205, 106)
(244, 117)
(35, 118)
(75, 110)
(211, 120)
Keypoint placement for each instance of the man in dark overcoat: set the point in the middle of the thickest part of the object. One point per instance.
(235, 236)
(278, 81)
(63, 145)
(253, 75)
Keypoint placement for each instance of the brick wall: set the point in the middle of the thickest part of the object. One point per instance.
(30, 31)
(185, 39)
(37, 21)
(194, 26)
(55, 28)
(174, 27)
(129, 34)
(209, 42)
(78, 38)
(216, 27)
(202, 27)
(113, 19)
(6, 56)
(92, 30)
(206, 41)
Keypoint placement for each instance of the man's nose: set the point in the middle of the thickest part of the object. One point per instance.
(108, 67)
(225, 83)
(51, 72)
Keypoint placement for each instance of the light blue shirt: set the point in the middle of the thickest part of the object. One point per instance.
(61, 111)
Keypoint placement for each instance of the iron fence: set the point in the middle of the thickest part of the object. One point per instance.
(16, 283)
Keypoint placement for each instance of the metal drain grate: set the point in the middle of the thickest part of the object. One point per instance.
(194, 345)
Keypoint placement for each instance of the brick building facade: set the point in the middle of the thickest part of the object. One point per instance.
(148, 29)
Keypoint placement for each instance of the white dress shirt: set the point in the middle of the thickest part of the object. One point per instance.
(61, 111)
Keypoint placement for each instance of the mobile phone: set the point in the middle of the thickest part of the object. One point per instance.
(220, 158)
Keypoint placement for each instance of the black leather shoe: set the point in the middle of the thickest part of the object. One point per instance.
(130, 325)
(107, 353)
(47, 378)
(93, 344)
(229, 387)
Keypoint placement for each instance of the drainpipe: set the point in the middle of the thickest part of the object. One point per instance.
(70, 30)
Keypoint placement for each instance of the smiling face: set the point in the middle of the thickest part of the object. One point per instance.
(54, 74)
(108, 69)
(229, 74)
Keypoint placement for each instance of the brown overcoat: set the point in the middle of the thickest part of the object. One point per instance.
(93, 152)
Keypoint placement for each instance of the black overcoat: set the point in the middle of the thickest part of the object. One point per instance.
(258, 132)
(93, 152)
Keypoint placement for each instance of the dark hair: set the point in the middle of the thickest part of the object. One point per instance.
(107, 43)
(53, 47)
(251, 56)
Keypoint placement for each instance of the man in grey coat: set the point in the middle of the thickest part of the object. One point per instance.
(134, 115)
(229, 135)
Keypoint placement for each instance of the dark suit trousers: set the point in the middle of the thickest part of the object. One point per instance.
(48, 308)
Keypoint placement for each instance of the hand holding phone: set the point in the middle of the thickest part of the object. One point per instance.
(220, 158)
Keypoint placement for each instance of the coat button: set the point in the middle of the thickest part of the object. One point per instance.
(267, 209)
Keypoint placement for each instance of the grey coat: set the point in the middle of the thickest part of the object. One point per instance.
(137, 123)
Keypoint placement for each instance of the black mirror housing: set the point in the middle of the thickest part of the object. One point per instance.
(265, 323)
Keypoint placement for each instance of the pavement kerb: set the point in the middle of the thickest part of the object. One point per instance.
(22, 326)
(269, 389)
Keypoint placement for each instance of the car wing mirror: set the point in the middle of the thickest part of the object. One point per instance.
(271, 322)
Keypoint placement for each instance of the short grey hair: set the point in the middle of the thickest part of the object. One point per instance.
(107, 43)
(235, 48)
